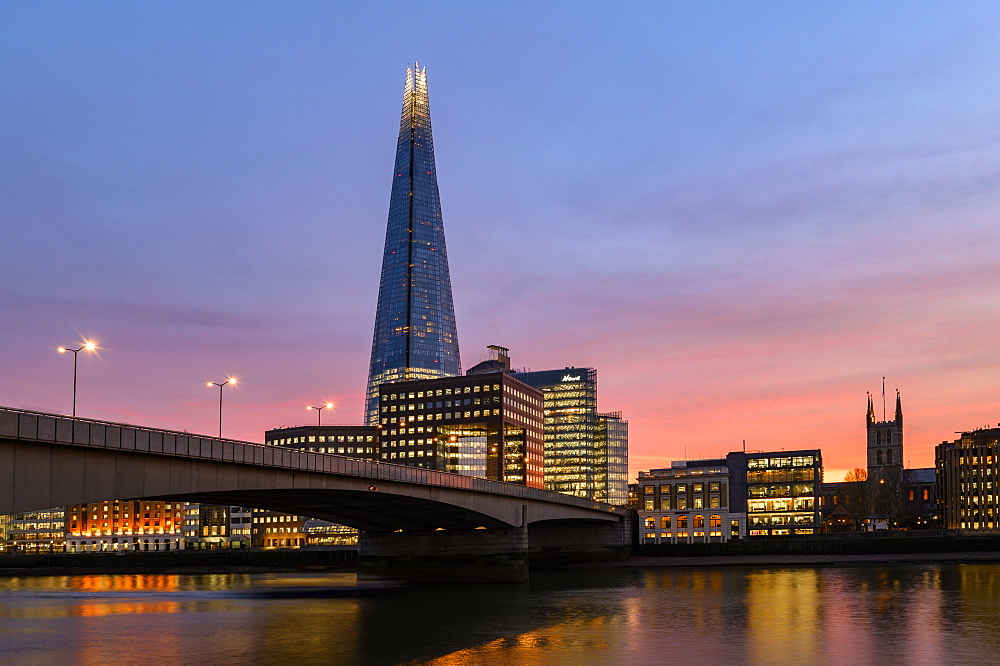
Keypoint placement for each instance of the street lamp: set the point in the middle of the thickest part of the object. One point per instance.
(89, 345)
(319, 412)
(231, 380)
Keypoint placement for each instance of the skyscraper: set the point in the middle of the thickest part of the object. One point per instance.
(415, 335)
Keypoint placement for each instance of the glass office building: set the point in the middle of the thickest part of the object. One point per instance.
(586, 453)
(415, 334)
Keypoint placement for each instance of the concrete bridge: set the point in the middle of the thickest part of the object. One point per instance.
(414, 523)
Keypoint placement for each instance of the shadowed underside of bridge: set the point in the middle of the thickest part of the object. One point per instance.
(368, 510)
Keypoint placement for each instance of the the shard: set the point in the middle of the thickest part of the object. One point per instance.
(415, 335)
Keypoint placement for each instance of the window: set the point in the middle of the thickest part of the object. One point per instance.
(699, 487)
(682, 504)
(713, 503)
(665, 523)
(699, 522)
(647, 490)
(682, 487)
(664, 503)
(650, 523)
(713, 487)
(648, 506)
(927, 494)
(699, 502)
(682, 522)
(715, 521)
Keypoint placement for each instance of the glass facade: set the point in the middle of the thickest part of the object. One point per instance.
(586, 453)
(611, 475)
(783, 492)
(415, 335)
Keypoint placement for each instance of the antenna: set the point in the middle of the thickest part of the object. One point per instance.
(744, 446)
(883, 399)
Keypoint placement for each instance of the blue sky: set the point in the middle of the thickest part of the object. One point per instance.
(743, 215)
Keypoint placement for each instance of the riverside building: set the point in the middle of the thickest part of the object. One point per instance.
(689, 502)
(968, 480)
(36, 531)
(483, 425)
(756, 494)
(124, 525)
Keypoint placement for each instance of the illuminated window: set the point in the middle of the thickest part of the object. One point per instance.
(665, 523)
(715, 521)
(699, 522)
(699, 502)
(682, 522)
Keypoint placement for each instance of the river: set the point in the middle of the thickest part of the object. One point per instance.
(923, 613)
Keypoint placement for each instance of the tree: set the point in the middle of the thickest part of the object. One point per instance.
(856, 474)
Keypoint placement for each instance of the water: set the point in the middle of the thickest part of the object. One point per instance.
(901, 613)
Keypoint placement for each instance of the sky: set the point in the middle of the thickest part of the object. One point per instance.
(744, 215)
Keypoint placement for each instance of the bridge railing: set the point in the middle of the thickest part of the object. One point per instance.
(74, 431)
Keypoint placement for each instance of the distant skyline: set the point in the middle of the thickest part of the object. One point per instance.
(743, 216)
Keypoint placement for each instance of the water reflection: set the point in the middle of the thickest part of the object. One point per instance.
(927, 613)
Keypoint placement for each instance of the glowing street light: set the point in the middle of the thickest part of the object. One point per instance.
(319, 412)
(88, 345)
(231, 380)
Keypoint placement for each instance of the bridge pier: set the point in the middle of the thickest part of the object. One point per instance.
(497, 555)
(557, 543)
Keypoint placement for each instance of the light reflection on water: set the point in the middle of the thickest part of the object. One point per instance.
(912, 613)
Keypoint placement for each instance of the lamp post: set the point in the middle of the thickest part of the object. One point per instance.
(319, 412)
(231, 380)
(89, 345)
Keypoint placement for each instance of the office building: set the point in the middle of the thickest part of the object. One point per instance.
(36, 531)
(273, 529)
(586, 452)
(484, 425)
(968, 480)
(782, 490)
(689, 502)
(124, 525)
(415, 334)
(755, 494)
(353, 441)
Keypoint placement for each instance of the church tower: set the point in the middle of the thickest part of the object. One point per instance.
(885, 443)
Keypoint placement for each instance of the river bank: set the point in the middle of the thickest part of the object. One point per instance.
(807, 559)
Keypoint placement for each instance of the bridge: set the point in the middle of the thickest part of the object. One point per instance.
(414, 523)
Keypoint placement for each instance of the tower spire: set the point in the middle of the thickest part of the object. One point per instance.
(415, 334)
(899, 408)
(871, 409)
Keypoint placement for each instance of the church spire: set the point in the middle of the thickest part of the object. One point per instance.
(871, 409)
(899, 408)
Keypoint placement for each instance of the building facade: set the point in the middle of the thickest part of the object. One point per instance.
(689, 502)
(483, 425)
(353, 441)
(586, 452)
(36, 531)
(124, 525)
(415, 333)
(968, 480)
(783, 491)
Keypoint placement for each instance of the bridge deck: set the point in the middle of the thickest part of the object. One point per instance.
(55, 429)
